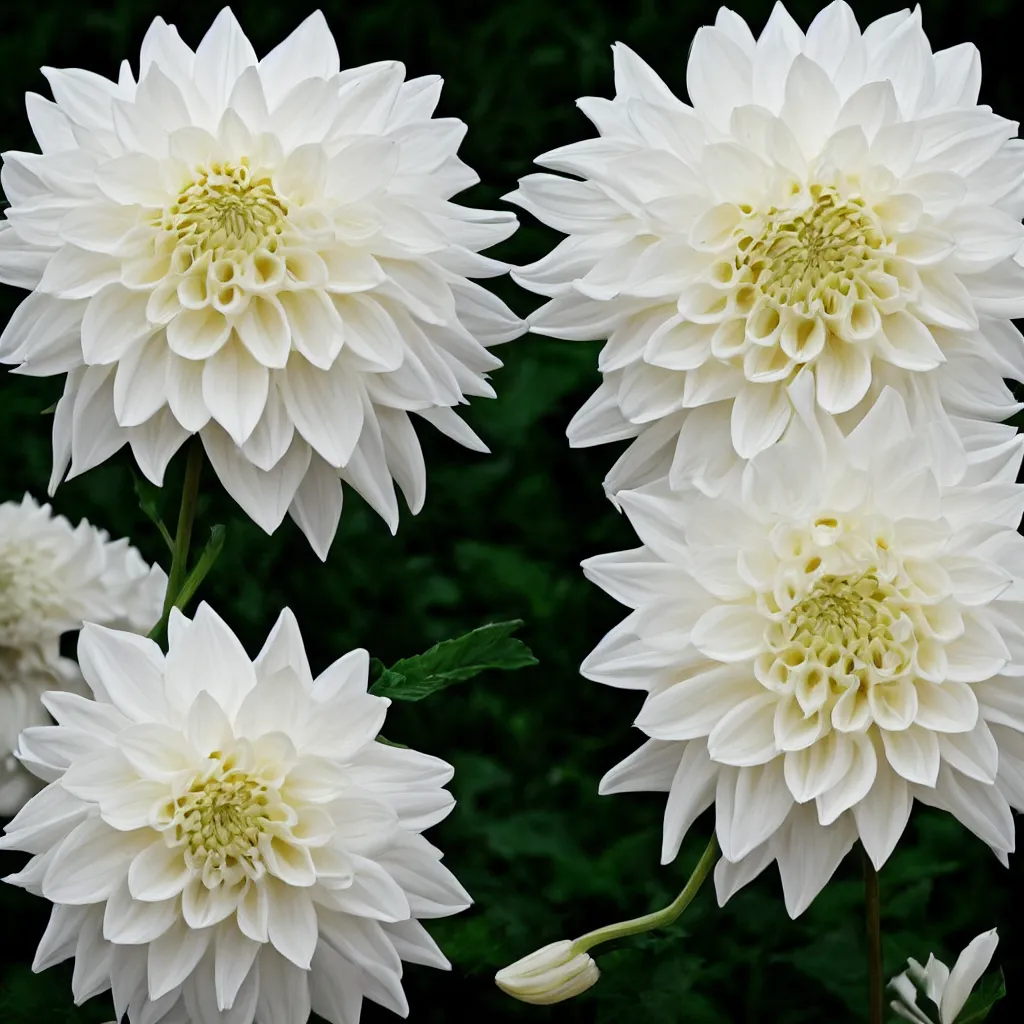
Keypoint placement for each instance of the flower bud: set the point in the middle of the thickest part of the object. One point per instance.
(549, 975)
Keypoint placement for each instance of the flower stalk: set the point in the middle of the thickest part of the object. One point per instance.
(873, 922)
(183, 536)
(658, 918)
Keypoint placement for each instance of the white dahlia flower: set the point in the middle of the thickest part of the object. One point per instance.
(837, 201)
(54, 577)
(834, 638)
(224, 840)
(261, 252)
(947, 990)
(24, 677)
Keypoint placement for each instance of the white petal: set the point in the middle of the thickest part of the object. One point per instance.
(174, 956)
(235, 388)
(284, 649)
(882, 815)
(209, 657)
(89, 863)
(316, 507)
(691, 793)
(843, 375)
(746, 735)
(760, 414)
(854, 785)
(222, 55)
(652, 766)
(966, 972)
(124, 670)
(158, 872)
(750, 806)
(133, 922)
(264, 330)
(695, 706)
(291, 922)
(809, 856)
(263, 495)
(326, 407)
(234, 956)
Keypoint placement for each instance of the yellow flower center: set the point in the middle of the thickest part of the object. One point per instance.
(797, 276)
(227, 211)
(220, 817)
(841, 610)
(810, 258)
(848, 631)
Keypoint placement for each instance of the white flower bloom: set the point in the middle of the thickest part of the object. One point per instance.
(223, 839)
(24, 677)
(263, 252)
(54, 577)
(822, 644)
(549, 975)
(947, 990)
(837, 201)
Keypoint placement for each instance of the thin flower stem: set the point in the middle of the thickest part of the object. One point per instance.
(659, 918)
(183, 535)
(873, 920)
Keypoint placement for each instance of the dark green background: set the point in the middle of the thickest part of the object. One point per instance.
(502, 537)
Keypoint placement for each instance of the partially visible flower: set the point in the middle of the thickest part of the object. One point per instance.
(54, 577)
(831, 639)
(947, 990)
(837, 202)
(223, 839)
(550, 975)
(263, 252)
(24, 677)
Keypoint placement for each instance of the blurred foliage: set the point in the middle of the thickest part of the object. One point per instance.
(501, 537)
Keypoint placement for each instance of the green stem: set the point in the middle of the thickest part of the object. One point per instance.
(183, 535)
(873, 921)
(659, 918)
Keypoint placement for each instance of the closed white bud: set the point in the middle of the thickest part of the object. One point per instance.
(549, 975)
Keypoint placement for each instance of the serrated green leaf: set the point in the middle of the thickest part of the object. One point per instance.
(454, 661)
(982, 999)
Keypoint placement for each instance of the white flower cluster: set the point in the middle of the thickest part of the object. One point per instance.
(805, 277)
(264, 253)
(54, 577)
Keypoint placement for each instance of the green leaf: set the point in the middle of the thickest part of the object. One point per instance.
(454, 661)
(149, 501)
(982, 999)
(202, 567)
(49, 410)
